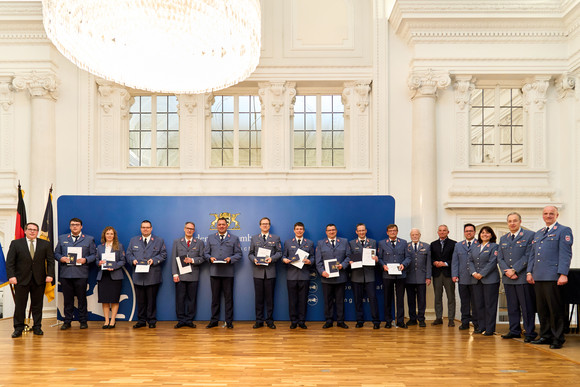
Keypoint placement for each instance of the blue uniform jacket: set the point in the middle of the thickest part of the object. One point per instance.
(194, 251)
(155, 250)
(65, 241)
(551, 254)
(366, 273)
(292, 272)
(229, 247)
(273, 244)
(484, 262)
(117, 273)
(388, 254)
(459, 266)
(340, 252)
(420, 266)
(514, 255)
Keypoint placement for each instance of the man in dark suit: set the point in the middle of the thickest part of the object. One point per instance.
(189, 251)
(222, 250)
(146, 250)
(297, 279)
(441, 256)
(548, 266)
(73, 277)
(29, 266)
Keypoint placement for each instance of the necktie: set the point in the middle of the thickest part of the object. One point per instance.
(393, 244)
(442, 244)
(299, 242)
(332, 243)
(362, 243)
(546, 232)
(222, 238)
(188, 243)
(145, 242)
(415, 247)
(264, 236)
(75, 237)
(32, 249)
(513, 237)
(468, 245)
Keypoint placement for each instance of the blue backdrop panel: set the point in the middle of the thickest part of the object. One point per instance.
(168, 215)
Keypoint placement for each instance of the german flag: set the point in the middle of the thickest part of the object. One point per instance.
(20, 215)
(47, 233)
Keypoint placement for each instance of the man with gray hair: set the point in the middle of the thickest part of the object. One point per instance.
(418, 277)
(441, 257)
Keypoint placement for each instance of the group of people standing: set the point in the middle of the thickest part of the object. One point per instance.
(532, 266)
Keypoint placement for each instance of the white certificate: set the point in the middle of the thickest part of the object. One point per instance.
(182, 269)
(262, 254)
(76, 251)
(367, 257)
(356, 264)
(219, 261)
(109, 258)
(141, 268)
(394, 268)
(330, 268)
(302, 255)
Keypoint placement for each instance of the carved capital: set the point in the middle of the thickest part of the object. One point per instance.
(357, 93)
(6, 94)
(534, 92)
(274, 94)
(188, 101)
(426, 83)
(565, 85)
(107, 92)
(463, 87)
(41, 85)
(209, 100)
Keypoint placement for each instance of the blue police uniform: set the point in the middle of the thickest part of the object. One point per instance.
(394, 285)
(418, 272)
(186, 288)
(460, 270)
(297, 280)
(363, 280)
(483, 260)
(333, 288)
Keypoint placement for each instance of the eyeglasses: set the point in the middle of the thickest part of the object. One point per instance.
(32, 229)
(190, 228)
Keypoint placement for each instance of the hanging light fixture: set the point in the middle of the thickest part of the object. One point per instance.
(176, 46)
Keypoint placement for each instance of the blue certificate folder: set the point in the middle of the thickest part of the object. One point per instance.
(168, 215)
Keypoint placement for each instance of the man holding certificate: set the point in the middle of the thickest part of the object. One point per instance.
(363, 259)
(393, 260)
(298, 256)
(265, 251)
(74, 252)
(331, 262)
(186, 256)
(146, 252)
(418, 278)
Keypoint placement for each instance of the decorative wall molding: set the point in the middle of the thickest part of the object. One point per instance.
(463, 86)
(359, 92)
(534, 91)
(425, 83)
(38, 84)
(565, 85)
(6, 93)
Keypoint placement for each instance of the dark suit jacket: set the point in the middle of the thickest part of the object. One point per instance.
(20, 264)
(446, 256)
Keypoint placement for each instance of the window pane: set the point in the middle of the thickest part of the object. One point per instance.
(298, 140)
(326, 121)
(172, 104)
(505, 97)
(338, 139)
(217, 104)
(517, 116)
(228, 139)
(134, 157)
(216, 139)
(311, 139)
(216, 157)
(476, 97)
(299, 121)
(161, 140)
(489, 98)
(488, 135)
(244, 158)
(505, 154)
(517, 100)
(298, 157)
(475, 153)
(476, 137)
(311, 121)
(337, 105)
(476, 117)
(338, 122)
(162, 103)
(488, 154)
(244, 121)
(134, 140)
(173, 122)
(244, 104)
(145, 121)
(228, 103)
(228, 157)
(173, 140)
(338, 158)
(517, 135)
(216, 121)
(327, 157)
(256, 121)
(161, 121)
(145, 158)
(505, 135)
(228, 121)
(310, 103)
(256, 139)
(173, 158)
(517, 153)
(505, 116)
(146, 104)
(244, 140)
(162, 157)
(326, 140)
(145, 139)
(134, 122)
(136, 107)
(256, 157)
(310, 157)
(326, 103)
(299, 104)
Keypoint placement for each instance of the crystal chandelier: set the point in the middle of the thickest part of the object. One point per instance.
(172, 46)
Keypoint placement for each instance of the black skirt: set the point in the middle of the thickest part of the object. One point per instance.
(109, 289)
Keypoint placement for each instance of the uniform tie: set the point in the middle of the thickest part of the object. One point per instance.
(188, 243)
(145, 242)
(32, 249)
(415, 247)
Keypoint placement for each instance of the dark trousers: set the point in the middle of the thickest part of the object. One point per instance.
(485, 302)
(439, 283)
(264, 295)
(21, 293)
(221, 285)
(333, 297)
(394, 287)
(72, 287)
(147, 303)
(416, 300)
(551, 311)
(186, 300)
(359, 289)
(468, 312)
(297, 300)
(521, 301)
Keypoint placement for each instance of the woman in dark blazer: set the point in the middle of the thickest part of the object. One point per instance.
(110, 279)
(482, 261)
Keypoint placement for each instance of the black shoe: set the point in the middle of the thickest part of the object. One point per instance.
(190, 324)
(230, 325)
(451, 323)
(212, 324)
(65, 326)
(258, 325)
(411, 322)
(529, 339)
(359, 324)
(437, 322)
(511, 336)
(112, 326)
(302, 325)
(272, 325)
(179, 325)
(402, 325)
(16, 333)
(486, 333)
(342, 325)
(421, 324)
(541, 341)
(106, 326)
(327, 325)
(464, 327)
(293, 326)
(37, 331)
(555, 346)
(84, 325)
(376, 325)
(152, 325)
(388, 325)
(140, 324)
(477, 331)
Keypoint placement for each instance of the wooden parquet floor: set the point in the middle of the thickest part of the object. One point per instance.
(246, 357)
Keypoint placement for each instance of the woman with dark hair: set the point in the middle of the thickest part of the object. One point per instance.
(110, 275)
(482, 261)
